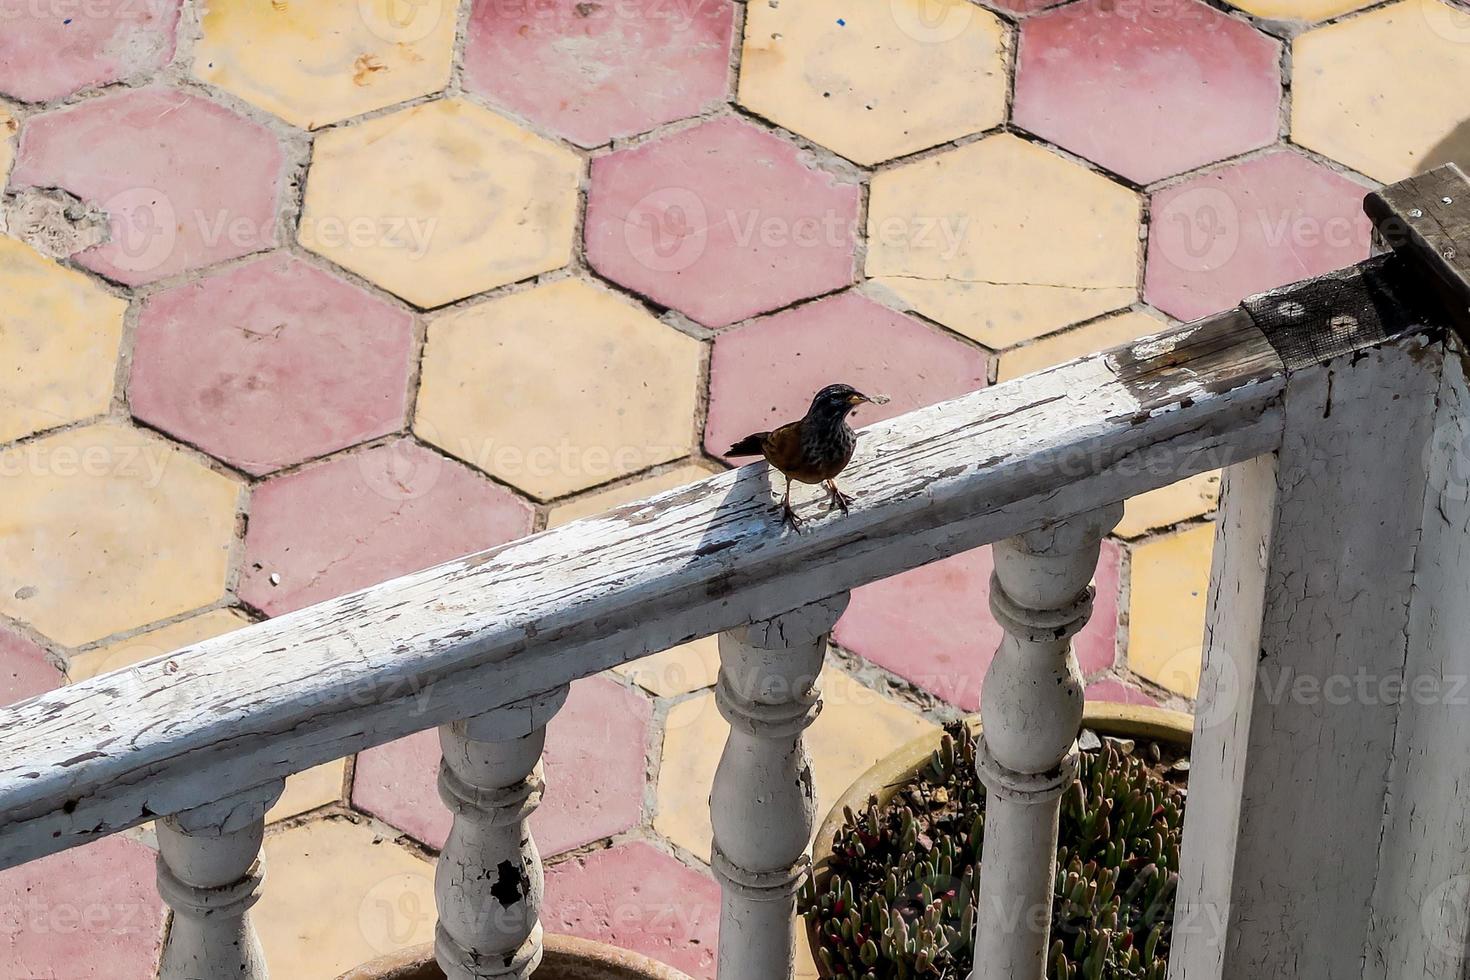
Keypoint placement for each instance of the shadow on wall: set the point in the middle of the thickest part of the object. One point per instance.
(1454, 148)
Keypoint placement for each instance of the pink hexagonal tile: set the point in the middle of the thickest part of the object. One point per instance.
(1118, 692)
(24, 670)
(90, 913)
(366, 517)
(594, 773)
(1020, 7)
(721, 221)
(50, 50)
(637, 897)
(595, 71)
(271, 363)
(184, 182)
(1253, 225)
(1148, 89)
(932, 626)
(765, 372)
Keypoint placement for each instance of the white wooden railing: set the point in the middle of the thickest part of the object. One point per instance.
(1315, 829)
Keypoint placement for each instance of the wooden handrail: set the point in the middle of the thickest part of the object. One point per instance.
(1340, 379)
(459, 639)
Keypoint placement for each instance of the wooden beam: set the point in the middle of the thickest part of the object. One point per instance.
(1314, 565)
(1427, 219)
(1419, 928)
(494, 628)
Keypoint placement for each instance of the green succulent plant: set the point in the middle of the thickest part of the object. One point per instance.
(901, 899)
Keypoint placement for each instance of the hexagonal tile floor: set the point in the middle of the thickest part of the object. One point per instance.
(324, 61)
(303, 296)
(182, 182)
(1117, 85)
(271, 363)
(558, 389)
(594, 72)
(441, 201)
(877, 82)
(721, 221)
(969, 237)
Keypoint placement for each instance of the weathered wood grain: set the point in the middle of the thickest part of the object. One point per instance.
(1427, 218)
(490, 629)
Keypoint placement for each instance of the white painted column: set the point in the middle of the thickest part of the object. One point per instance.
(1031, 709)
(489, 883)
(1307, 635)
(763, 803)
(1420, 927)
(209, 873)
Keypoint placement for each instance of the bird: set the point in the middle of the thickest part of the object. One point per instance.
(814, 448)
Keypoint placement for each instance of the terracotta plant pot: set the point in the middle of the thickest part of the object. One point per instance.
(566, 959)
(898, 770)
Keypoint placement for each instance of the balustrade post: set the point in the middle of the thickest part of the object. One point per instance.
(489, 883)
(210, 873)
(1031, 711)
(763, 802)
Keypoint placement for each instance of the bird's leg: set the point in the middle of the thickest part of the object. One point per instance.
(838, 498)
(788, 516)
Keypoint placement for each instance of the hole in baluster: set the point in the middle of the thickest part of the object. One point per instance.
(510, 885)
(808, 785)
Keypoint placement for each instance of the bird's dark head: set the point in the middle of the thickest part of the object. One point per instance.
(838, 401)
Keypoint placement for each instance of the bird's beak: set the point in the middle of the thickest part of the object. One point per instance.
(858, 399)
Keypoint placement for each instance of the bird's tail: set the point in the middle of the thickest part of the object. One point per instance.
(751, 445)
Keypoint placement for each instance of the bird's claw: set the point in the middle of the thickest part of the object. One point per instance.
(838, 499)
(789, 518)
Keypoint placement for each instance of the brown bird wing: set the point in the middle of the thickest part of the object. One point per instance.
(783, 448)
(752, 445)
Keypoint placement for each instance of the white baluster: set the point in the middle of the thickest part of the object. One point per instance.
(1031, 709)
(209, 873)
(489, 883)
(763, 803)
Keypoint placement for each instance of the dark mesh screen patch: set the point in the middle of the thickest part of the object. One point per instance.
(1345, 311)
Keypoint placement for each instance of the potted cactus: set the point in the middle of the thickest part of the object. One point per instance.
(893, 893)
(565, 959)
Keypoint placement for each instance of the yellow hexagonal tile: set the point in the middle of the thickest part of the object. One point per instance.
(856, 728)
(1003, 240)
(1060, 348)
(59, 336)
(1192, 497)
(314, 62)
(441, 201)
(106, 528)
(558, 389)
(338, 894)
(1303, 10)
(1387, 93)
(1168, 590)
(8, 127)
(875, 79)
(304, 791)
